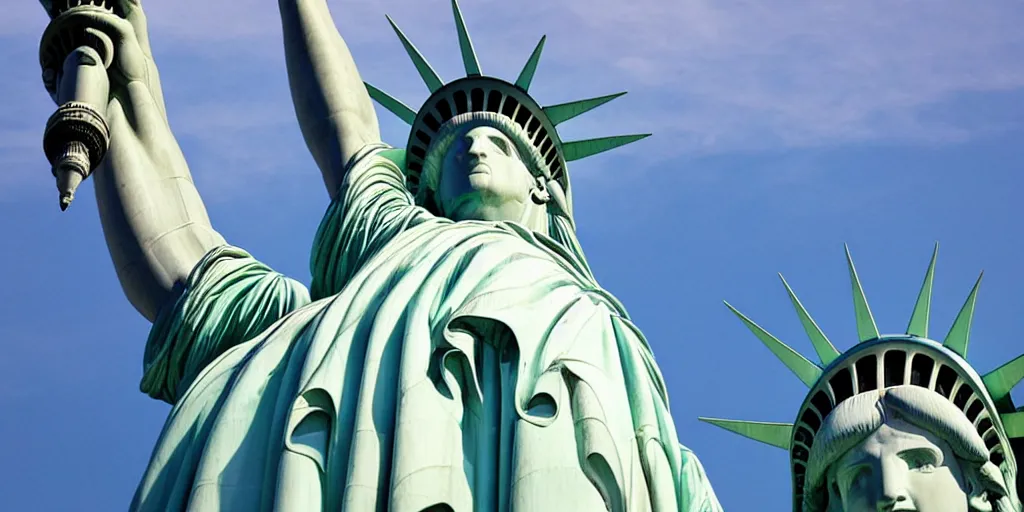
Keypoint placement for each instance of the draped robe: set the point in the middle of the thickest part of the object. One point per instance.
(440, 365)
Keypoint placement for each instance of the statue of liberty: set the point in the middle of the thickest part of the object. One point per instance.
(454, 351)
(899, 421)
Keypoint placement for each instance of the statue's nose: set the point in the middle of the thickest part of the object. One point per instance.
(894, 503)
(477, 149)
(893, 486)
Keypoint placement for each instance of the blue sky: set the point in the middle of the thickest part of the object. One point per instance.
(781, 130)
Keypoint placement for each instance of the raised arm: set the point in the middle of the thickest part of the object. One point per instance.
(331, 102)
(154, 221)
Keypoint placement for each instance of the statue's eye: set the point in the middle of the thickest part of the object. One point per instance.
(924, 461)
(502, 144)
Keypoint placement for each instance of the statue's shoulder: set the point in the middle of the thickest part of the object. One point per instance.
(395, 156)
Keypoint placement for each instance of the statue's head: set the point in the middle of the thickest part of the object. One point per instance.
(902, 448)
(482, 177)
(481, 148)
(476, 170)
(898, 422)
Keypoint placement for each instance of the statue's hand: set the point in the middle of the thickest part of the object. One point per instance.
(140, 139)
(127, 29)
(130, 10)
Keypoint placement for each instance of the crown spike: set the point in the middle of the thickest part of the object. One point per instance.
(804, 369)
(465, 44)
(578, 149)
(526, 75)
(1013, 422)
(1000, 381)
(922, 309)
(960, 333)
(866, 328)
(774, 434)
(393, 105)
(824, 348)
(426, 72)
(565, 111)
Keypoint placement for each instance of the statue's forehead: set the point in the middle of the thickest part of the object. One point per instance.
(484, 130)
(894, 437)
(481, 131)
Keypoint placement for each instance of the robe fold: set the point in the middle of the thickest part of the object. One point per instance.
(434, 365)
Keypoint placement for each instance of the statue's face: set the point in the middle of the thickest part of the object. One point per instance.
(899, 467)
(482, 178)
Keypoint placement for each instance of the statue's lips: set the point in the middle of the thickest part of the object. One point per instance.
(478, 168)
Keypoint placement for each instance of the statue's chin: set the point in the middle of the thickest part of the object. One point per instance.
(470, 207)
(471, 212)
(482, 214)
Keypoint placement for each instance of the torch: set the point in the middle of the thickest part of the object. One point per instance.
(74, 62)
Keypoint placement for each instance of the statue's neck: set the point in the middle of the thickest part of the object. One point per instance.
(535, 217)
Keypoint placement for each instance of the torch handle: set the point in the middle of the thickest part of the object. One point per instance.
(85, 78)
(77, 136)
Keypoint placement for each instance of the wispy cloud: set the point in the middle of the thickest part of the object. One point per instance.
(705, 76)
(807, 73)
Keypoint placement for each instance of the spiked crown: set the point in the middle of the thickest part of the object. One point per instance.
(477, 92)
(883, 361)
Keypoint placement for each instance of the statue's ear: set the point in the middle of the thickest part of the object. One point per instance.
(539, 193)
(985, 486)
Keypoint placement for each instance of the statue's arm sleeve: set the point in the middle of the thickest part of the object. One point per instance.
(229, 298)
(372, 207)
(695, 484)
